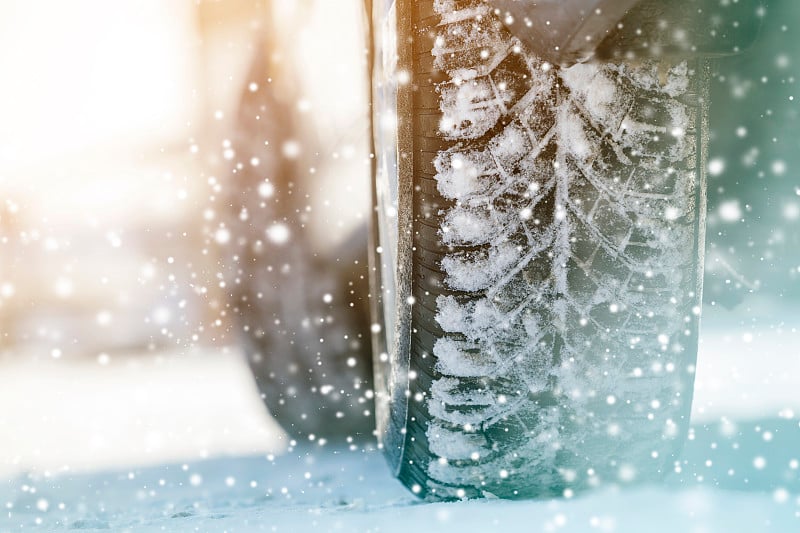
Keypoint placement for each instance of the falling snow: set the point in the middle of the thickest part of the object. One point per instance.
(141, 256)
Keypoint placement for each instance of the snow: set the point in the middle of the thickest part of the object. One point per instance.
(470, 226)
(334, 490)
(739, 471)
(453, 360)
(472, 272)
(63, 414)
(457, 174)
(180, 442)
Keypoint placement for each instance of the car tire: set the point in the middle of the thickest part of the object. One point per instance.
(540, 234)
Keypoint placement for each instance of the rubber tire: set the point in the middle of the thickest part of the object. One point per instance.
(508, 400)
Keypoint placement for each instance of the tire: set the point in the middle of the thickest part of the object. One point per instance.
(543, 299)
(302, 313)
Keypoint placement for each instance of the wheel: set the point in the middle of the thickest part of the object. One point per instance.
(301, 312)
(541, 235)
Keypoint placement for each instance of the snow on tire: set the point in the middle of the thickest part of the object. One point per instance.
(558, 240)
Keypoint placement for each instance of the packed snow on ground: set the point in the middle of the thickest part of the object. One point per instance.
(333, 490)
(336, 490)
(182, 445)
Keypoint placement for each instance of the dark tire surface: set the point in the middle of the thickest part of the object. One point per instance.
(558, 237)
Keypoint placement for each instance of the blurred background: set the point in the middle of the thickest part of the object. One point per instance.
(754, 181)
(115, 347)
(111, 344)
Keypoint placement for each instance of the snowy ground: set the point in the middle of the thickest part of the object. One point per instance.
(352, 491)
(181, 444)
(330, 490)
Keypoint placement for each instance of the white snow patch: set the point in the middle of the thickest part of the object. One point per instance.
(454, 359)
(471, 226)
(470, 109)
(458, 174)
(473, 272)
(455, 444)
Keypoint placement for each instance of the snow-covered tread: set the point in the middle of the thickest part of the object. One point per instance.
(558, 233)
